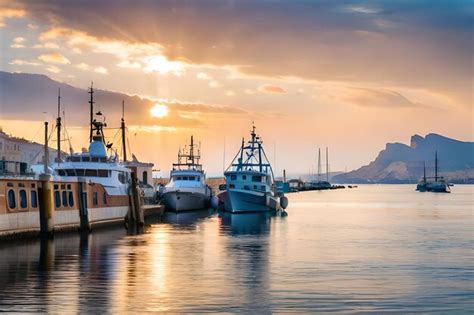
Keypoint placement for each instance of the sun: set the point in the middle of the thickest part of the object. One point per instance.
(159, 110)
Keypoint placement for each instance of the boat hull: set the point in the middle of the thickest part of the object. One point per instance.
(237, 201)
(185, 201)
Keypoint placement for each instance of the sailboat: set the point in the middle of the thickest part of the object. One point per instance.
(187, 189)
(438, 185)
(250, 182)
(321, 184)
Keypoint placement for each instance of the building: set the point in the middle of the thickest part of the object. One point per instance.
(18, 154)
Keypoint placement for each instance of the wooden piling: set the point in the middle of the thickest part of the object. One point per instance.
(135, 217)
(46, 207)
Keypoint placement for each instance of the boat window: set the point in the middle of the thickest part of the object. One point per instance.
(262, 188)
(64, 198)
(95, 200)
(233, 177)
(33, 199)
(61, 173)
(179, 178)
(255, 187)
(95, 159)
(68, 186)
(244, 176)
(71, 199)
(57, 199)
(256, 178)
(80, 172)
(192, 177)
(70, 173)
(246, 187)
(11, 199)
(104, 198)
(56, 186)
(103, 159)
(86, 159)
(103, 173)
(198, 178)
(122, 177)
(23, 200)
(231, 186)
(91, 173)
(75, 159)
(185, 177)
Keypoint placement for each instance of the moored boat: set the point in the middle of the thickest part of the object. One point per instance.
(187, 189)
(249, 181)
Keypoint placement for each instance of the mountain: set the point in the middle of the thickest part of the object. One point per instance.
(26, 96)
(400, 163)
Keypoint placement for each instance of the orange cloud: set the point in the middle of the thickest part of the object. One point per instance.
(271, 89)
(9, 13)
(54, 57)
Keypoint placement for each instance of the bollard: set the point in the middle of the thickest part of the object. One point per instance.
(46, 209)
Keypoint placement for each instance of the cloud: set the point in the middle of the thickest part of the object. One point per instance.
(47, 45)
(101, 70)
(203, 76)
(326, 41)
(362, 9)
(53, 69)
(54, 57)
(18, 42)
(376, 98)
(9, 13)
(271, 89)
(20, 62)
(83, 66)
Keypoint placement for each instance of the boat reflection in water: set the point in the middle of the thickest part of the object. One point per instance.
(186, 217)
(245, 223)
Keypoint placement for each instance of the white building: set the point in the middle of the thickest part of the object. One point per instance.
(18, 154)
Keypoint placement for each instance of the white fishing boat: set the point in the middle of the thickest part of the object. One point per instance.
(249, 181)
(187, 189)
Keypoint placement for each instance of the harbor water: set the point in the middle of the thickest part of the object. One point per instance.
(375, 248)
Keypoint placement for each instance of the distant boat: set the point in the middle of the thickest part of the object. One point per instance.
(249, 181)
(187, 189)
(437, 185)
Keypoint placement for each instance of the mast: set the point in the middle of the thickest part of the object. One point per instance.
(319, 163)
(122, 127)
(436, 166)
(91, 103)
(327, 165)
(260, 156)
(191, 150)
(241, 160)
(46, 150)
(58, 127)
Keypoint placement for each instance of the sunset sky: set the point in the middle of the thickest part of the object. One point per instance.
(349, 75)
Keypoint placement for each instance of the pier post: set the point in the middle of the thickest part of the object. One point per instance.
(83, 210)
(46, 209)
(136, 220)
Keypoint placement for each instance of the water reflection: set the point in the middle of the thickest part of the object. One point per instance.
(245, 223)
(186, 217)
(352, 255)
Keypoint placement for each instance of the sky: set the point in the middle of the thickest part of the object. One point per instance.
(348, 75)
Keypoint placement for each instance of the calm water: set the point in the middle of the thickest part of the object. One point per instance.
(370, 249)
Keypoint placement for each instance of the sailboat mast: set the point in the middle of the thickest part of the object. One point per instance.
(58, 127)
(319, 163)
(436, 166)
(91, 103)
(122, 127)
(327, 165)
